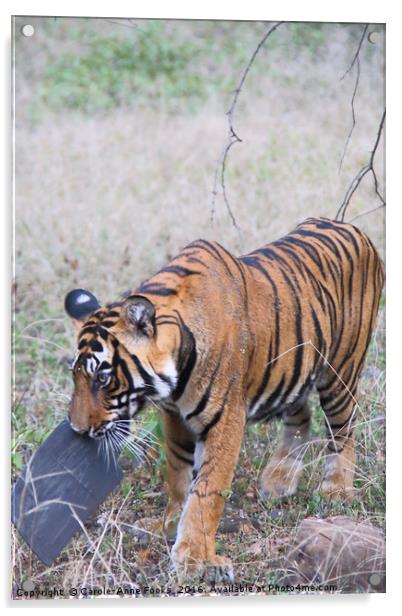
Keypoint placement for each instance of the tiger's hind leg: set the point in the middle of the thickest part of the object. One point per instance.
(339, 404)
(281, 476)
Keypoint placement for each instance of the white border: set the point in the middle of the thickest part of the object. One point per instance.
(308, 10)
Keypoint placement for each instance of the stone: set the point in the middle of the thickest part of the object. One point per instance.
(340, 551)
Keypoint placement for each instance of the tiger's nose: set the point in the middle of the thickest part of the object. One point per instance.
(78, 429)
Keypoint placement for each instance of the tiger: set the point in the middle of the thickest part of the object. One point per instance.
(218, 341)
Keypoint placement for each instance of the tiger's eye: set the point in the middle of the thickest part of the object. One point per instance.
(102, 378)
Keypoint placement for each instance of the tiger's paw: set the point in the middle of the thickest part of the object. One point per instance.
(334, 488)
(219, 570)
(189, 564)
(337, 483)
(280, 480)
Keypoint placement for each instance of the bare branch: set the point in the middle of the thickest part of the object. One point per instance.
(357, 52)
(348, 138)
(232, 135)
(360, 175)
(374, 209)
(121, 22)
(357, 62)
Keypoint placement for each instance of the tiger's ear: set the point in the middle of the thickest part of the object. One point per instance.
(80, 304)
(139, 313)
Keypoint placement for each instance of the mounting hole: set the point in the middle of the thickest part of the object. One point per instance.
(374, 579)
(28, 585)
(27, 30)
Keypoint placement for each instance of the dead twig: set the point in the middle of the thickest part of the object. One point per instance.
(357, 62)
(233, 137)
(360, 175)
(374, 209)
(121, 22)
(355, 57)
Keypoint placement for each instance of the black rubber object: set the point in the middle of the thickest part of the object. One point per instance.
(79, 304)
(62, 485)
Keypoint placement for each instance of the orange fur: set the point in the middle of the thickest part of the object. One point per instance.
(226, 340)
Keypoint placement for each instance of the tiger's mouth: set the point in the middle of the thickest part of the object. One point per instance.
(115, 436)
(101, 431)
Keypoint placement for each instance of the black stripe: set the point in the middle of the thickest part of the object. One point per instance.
(239, 266)
(340, 426)
(329, 398)
(104, 334)
(188, 446)
(180, 457)
(105, 365)
(217, 415)
(213, 251)
(338, 228)
(179, 270)
(265, 408)
(146, 377)
(340, 410)
(211, 424)
(126, 372)
(321, 344)
(96, 346)
(299, 339)
(265, 377)
(89, 329)
(113, 313)
(166, 379)
(166, 322)
(201, 405)
(278, 258)
(253, 261)
(157, 289)
(195, 260)
(324, 239)
(309, 249)
(205, 398)
(308, 275)
(187, 358)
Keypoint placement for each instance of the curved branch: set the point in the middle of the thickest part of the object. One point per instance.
(357, 62)
(360, 175)
(355, 57)
(232, 135)
(348, 138)
(374, 209)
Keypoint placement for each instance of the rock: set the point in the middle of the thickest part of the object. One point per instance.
(232, 523)
(279, 514)
(338, 551)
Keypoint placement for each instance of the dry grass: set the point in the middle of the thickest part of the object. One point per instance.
(102, 201)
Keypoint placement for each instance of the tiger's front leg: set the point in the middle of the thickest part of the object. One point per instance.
(216, 455)
(180, 446)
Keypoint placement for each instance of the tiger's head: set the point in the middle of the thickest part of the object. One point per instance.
(119, 364)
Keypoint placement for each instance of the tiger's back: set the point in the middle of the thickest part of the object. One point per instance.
(287, 316)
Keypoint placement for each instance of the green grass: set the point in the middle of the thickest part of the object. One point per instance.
(158, 63)
(115, 71)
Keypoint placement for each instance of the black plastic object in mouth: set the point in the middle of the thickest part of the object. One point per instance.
(61, 486)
